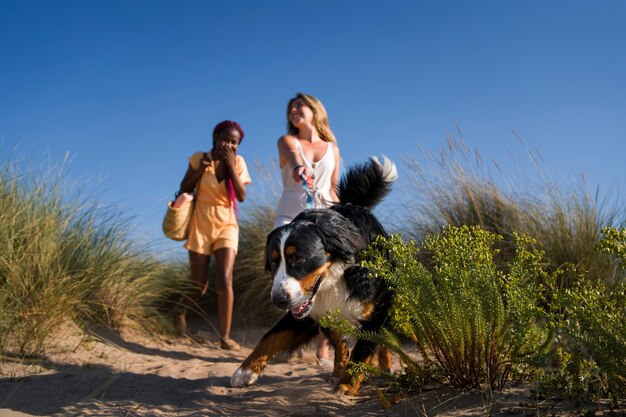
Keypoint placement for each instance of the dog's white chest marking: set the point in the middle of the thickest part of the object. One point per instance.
(333, 296)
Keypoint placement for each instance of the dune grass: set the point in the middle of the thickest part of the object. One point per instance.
(455, 187)
(65, 258)
(251, 284)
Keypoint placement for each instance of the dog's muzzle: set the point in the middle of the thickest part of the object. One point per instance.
(299, 307)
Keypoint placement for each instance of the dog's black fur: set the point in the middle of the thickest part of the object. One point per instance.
(312, 261)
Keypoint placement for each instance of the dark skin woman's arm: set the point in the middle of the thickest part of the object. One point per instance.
(192, 176)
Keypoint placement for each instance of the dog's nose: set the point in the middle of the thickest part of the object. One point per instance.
(281, 300)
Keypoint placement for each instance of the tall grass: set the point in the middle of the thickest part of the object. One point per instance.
(65, 258)
(455, 187)
(251, 284)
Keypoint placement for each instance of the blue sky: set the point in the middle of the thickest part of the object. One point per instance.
(132, 88)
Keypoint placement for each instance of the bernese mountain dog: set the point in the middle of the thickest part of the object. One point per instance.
(313, 264)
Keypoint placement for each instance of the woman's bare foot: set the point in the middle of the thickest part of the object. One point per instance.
(180, 324)
(229, 344)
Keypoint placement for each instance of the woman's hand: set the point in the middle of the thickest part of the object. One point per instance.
(193, 175)
(205, 161)
(298, 172)
(228, 155)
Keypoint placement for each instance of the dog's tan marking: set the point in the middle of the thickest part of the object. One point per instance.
(270, 346)
(352, 385)
(290, 250)
(341, 353)
(307, 283)
(368, 310)
(275, 255)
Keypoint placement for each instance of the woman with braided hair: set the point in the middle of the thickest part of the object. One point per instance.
(219, 178)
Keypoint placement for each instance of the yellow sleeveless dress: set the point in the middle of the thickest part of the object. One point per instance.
(213, 224)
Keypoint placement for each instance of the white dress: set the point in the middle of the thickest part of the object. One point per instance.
(293, 200)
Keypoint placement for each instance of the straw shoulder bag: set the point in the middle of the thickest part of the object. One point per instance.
(177, 217)
(179, 212)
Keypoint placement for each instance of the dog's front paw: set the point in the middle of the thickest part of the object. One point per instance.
(348, 385)
(349, 389)
(243, 377)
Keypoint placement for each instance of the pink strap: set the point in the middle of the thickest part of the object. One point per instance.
(232, 197)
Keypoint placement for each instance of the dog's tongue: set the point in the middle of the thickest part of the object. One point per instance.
(298, 310)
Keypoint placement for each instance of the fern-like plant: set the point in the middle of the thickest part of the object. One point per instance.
(472, 323)
(592, 327)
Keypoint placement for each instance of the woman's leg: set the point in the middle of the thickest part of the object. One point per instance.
(224, 263)
(199, 265)
(322, 349)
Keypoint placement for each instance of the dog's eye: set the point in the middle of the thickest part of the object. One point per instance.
(298, 261)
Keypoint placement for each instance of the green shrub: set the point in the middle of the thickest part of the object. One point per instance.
(592, 330)
(614, 243)
(472, 323)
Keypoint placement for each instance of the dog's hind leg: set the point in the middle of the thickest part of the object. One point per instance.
(287, 335)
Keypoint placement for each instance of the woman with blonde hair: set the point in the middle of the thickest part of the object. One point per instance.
(307, 152)
(309, 162)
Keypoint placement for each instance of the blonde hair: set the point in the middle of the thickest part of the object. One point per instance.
(320, 120)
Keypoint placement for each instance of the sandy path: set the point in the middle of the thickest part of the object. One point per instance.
(137, 376)
(163, 377)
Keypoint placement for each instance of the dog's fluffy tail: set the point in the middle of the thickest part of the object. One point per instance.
(367, 184)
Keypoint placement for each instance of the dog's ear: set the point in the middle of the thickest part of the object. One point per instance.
(341, 238)
(269, 243)
(268, 266)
